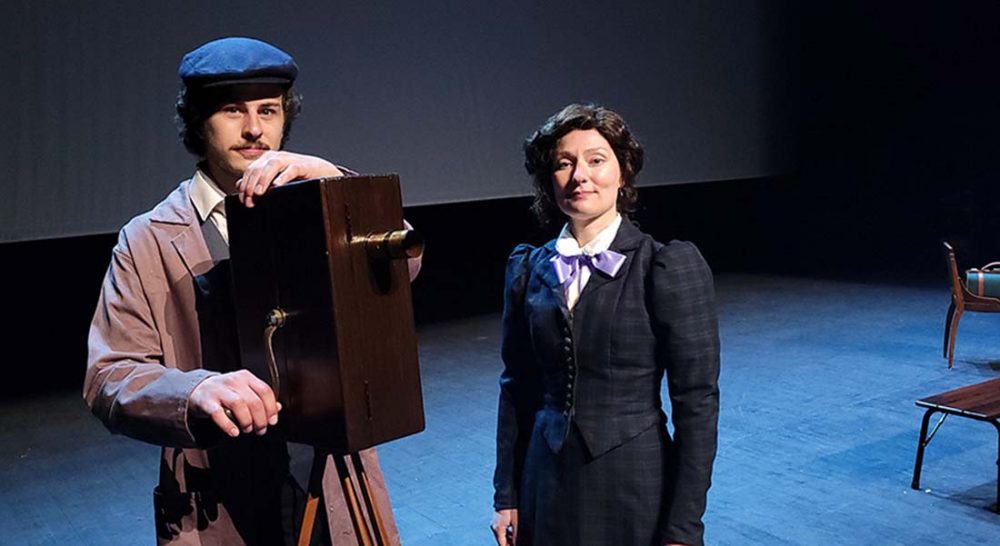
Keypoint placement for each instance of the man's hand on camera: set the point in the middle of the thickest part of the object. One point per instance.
(236, 401)
(278, 168)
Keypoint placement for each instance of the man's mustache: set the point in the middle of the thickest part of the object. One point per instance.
(256, 146)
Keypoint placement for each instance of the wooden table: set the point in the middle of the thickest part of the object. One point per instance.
(980, 402)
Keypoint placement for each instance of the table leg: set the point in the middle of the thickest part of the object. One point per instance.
(921, 443)
(996, 507)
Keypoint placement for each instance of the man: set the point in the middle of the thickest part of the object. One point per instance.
(163, 363)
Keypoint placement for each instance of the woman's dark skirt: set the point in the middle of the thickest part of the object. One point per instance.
(572, 499)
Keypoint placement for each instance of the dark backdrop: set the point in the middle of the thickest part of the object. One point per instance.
(439, 91)
(896, 114)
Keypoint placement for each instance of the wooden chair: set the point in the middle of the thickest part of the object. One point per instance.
(962, 300)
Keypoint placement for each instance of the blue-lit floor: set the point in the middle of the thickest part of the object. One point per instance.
(818, 432)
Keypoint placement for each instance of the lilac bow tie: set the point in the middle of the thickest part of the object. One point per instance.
(568, 267)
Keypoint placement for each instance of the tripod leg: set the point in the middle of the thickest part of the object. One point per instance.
(366, 494)
(315, 494)
(357, 516)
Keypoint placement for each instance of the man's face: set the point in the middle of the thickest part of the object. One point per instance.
(241, 130)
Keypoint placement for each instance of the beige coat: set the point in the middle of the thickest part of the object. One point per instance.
(145, 359)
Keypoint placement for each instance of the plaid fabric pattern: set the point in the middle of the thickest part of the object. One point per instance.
(571, 497)
(588, 383)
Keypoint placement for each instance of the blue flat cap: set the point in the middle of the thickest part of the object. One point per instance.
(229, 61)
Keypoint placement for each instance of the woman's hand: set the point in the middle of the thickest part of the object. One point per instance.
(504, 526)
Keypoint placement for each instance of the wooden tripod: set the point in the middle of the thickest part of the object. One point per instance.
(364, 527)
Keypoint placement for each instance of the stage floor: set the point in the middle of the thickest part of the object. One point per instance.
(818, 432)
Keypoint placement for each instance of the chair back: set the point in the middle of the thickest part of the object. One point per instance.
(957, 290)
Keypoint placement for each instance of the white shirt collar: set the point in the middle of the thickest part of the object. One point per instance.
(206, 196)
(567, 245)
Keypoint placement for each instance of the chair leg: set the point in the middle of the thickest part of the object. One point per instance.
(954, 333)
(947, 328)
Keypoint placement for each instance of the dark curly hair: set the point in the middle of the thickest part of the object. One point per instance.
(539, 147)
(195, 105)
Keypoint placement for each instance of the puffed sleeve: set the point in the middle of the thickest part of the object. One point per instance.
(687, 330)
(520, 390)
(127, 386)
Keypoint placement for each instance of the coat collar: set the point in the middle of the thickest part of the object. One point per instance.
(176, 217)
(628, 237)
(176, 208)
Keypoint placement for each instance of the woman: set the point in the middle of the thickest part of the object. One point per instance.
(591, 322)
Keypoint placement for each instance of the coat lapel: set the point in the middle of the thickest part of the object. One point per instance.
(600, 278)
(177, 219)
(190, 246)
(547, 272)
(626, 241)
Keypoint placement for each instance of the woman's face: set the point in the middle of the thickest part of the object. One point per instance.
(586, 176)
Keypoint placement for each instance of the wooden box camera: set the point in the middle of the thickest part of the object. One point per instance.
(321, 281)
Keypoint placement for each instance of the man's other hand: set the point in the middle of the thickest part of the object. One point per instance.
(249, 401)
(277, 168)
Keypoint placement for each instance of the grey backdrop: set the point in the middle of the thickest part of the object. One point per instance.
(440, 91)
